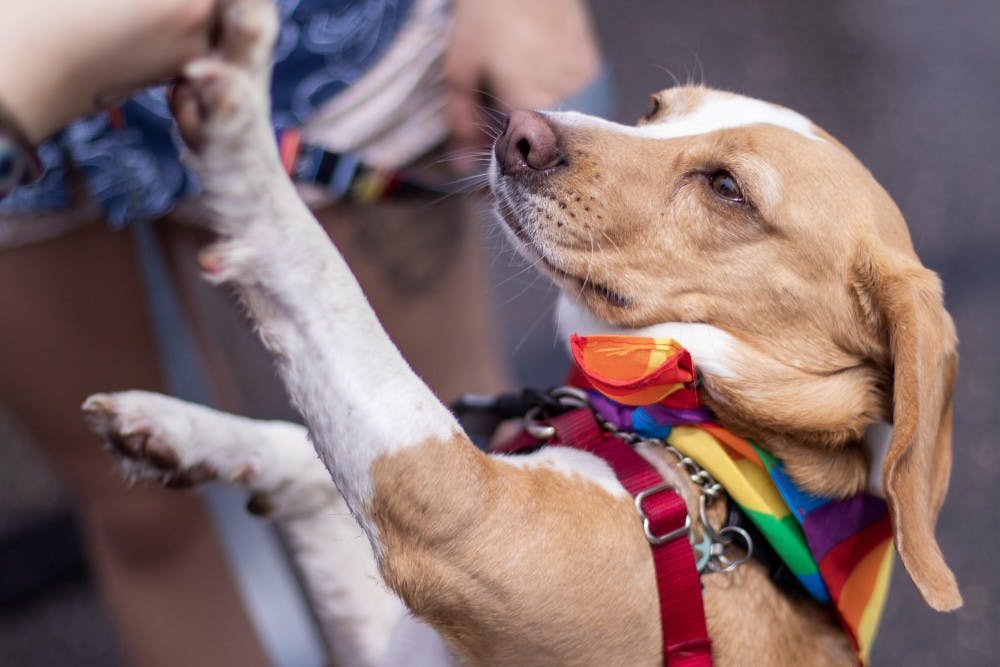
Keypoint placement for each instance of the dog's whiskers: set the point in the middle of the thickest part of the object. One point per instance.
(546, 312)
(610, 240)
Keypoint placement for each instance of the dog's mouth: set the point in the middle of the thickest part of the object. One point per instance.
(576, 284)
(569, 281)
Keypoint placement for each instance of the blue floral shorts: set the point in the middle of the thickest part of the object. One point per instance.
(133, 170)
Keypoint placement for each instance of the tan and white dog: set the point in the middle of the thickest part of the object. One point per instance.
(734, 226)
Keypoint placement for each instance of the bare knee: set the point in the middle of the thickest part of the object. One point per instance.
(143, 530)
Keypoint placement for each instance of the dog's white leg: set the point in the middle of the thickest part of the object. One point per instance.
(357, 394)
(160, 438)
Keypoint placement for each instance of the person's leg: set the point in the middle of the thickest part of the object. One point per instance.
(73, 321)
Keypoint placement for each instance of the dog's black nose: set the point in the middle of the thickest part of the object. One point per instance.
(528, 143)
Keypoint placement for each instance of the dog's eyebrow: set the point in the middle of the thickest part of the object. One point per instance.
(715, 113)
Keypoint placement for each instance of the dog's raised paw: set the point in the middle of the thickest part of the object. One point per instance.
(150, 437)
(222, 96)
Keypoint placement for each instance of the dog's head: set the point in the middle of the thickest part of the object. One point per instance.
(759, 242)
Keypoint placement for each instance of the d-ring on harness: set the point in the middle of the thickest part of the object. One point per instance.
(665, 520)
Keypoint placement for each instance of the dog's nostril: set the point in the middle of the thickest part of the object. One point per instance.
(524, 148)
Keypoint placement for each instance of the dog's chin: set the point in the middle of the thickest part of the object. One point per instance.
(596, 296)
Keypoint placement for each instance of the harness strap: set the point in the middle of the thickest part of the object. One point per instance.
(665, 522)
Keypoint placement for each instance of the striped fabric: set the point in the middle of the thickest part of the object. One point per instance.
(841, 550)
(346, 178)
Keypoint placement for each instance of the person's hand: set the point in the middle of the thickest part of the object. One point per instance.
(62, 59)
(523, 53)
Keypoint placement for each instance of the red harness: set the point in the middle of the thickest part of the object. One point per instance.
(665, 522)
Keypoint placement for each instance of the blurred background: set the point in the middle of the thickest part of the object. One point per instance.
(910, 87)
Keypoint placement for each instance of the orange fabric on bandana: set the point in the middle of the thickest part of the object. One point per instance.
(637, 371)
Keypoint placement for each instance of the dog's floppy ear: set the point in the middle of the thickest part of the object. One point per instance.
(905, 298)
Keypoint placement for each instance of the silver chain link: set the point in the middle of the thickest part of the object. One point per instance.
(700, 477)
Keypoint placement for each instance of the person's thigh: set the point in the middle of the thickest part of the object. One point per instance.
(73, 321)
(425, 272)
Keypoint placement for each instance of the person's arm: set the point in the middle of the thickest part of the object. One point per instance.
(62, 59)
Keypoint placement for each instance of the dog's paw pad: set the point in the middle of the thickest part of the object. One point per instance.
(144, 446)
(129, 445)
(186, 478)
(161, 456)
(208, 99)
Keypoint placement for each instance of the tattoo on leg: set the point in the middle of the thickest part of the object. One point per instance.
(414, 254)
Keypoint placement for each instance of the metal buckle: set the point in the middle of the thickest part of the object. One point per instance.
(563, 399)
(647, 528)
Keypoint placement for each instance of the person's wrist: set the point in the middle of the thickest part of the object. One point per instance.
(27, 93)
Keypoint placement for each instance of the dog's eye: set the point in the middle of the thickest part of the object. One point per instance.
(654, 107)
(724, 185)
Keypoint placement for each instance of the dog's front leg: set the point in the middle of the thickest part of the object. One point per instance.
(363, 405)
(360, 399)
(182, 445)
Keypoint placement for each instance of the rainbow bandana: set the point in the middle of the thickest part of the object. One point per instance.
(841, 550)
